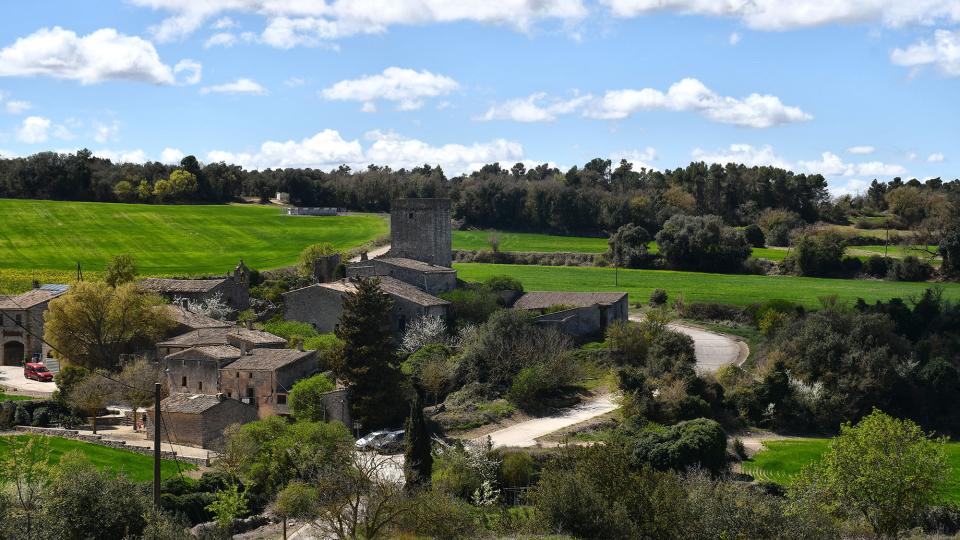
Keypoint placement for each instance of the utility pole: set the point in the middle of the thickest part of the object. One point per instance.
(156, 445)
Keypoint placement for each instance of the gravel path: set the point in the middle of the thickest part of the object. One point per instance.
(525, 433)
(713, 350)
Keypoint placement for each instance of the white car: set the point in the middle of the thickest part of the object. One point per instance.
(365, 442)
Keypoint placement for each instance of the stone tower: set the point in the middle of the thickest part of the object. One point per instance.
(420, 230)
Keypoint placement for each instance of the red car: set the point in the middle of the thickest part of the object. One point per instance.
(37, 371)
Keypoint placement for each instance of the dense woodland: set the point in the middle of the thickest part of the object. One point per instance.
(598, 197)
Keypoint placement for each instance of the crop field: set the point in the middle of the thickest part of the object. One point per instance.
(781, 460)
(701, 287)
(45, 239)
(529, 242)
(136, 467)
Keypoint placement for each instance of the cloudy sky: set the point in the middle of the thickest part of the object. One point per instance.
(852, 89)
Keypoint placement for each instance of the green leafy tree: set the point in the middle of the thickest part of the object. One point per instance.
(91, 395)
(24, 468)
(418, 463)
(93, 323)
(702, 243)
(886, 470)
(819, 254)
(310, 254)
(368, 359)
(306, 398)
(123, 190)
(628, 246)
(121, 269)
(229, 505)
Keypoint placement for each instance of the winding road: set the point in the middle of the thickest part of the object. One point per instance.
(713, 350)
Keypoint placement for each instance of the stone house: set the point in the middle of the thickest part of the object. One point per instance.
(322, 303)
(235, 336)
(197, 370)
(428, 277)
(233, 288)
(187, 321)
(198, 419)
(263, 377)
(21, 324)
(582, 315)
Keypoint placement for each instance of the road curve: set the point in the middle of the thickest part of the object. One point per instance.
(525, 433)
(713, 350)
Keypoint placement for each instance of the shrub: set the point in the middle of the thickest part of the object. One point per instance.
(21, 417)
(739, 449)
(435, 514)
(471, 305)
(658, 297)
(306, 398)
(41, 417)
(877, 266)
(628, 246)
(819, 254)
(713, 311)
(777, 224)
(526, 387)
(693, 443)
(516, 469)
(702, 243)
(503, 283)
(754, 235)
(909, 268)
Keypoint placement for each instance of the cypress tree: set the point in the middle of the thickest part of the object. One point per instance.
(418, 463)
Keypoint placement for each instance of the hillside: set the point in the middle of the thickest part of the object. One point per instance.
(45, 239)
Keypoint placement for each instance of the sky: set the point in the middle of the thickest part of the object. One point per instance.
(851, 89)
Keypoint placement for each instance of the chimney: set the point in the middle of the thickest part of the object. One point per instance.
(300, 345)
(243, 348)
(249, 324)
(36, 284)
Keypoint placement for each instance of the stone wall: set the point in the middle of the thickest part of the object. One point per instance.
(434, 283)
(201, 429)
(200, 372)
(420, 229)
(98, 439)
(315, 305)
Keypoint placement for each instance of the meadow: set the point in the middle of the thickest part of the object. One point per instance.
(46, 239)
(136, 467)
(701, 287)
(781, 460)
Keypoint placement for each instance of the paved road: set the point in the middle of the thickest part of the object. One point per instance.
(526, 433)
(373, 253)
(12, 378)
(713, 349)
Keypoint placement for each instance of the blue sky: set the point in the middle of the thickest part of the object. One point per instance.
(853, 89)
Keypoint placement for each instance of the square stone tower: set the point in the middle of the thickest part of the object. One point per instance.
(420, 230)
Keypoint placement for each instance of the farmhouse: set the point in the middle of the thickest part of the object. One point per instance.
(429, 277)
(579, 314)
(234, 288)
(321, 304)
(198, 419)
(186, 320)
(21, 324)
(230, 335)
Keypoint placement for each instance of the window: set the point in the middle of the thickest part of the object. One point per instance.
(183, 380)
(250, 392)
(19, 319)
(410, 215)
(199, 386)
(229, 394)
(281, 399)
(249, 375)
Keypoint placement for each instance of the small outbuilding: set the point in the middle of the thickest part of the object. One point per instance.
(583, 315)
(198, 419)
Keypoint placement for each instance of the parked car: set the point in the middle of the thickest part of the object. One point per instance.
(37, 371)
(390, 443)
(366, 442)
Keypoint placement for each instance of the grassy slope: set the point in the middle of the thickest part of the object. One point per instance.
(7, 397)
(137, 467)
(46, 238)
(781, 460)
(695, 286)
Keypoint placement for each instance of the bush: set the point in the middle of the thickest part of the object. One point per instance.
(777, 225)
(474, 305)
(909, 268)
(628, 246)
(658, 297)
(877, 266)
(41, 417)
(527, 387)
(713, 311)
(435, 514)
(516, 469)
(306, 398)
(21, 417)
(754, 235)
(819, 254)
(702, 243)
(503, 283)
(693, 443)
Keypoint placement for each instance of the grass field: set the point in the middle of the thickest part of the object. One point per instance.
(45, 239)
(8, 397)
(781, 460)
(701, 287)
(530, 242)
(137, 467)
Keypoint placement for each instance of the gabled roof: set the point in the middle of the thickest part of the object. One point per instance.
(544, 300)
(391, 286)
(185, 317)
(220, 336)
(268, 359)
(168, 286)
(189, 403)
(32, 297)
(413, 264)
(213, 352)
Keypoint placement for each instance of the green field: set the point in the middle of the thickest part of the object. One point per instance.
(529, 242)
(701, 287)
(45, 239)
(8, 397)
(781, 460)
(137, 467)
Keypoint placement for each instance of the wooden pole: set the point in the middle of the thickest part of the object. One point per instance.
(156, 445)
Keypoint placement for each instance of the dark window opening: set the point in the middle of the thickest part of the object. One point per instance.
(250, 392)
(403, 323)
(199, 386)
(183, 381)
(281, 399)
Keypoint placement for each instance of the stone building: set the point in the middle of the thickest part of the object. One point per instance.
(21, 324)
(197, 370)
(321, 304)
(187, 321)
(420, 230)
(235, 336)
(582, 315)
(233, 288)
(198, 419)
(428, 277)
(263, 377)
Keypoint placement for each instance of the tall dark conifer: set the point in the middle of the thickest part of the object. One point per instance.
(418, 463)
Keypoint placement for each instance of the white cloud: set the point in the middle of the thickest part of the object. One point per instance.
(779, 15)
(328, 149)
(861, 149)
(638, 158)
(105, 132)
(239, 86)
(746, 154)
(734, 38)
(34, 130)
(755, 110)
(104, 54)
(829, 164)
(301, 22)
(221, 39)
(192, 68)
(534, 108)
(852, 186)
(171, 155)
(936, 157)
(944, 53)
(17, 106)
(123, 156)
(402, 85)
(224, 23)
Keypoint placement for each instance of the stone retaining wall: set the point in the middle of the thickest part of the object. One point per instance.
(112, 443)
